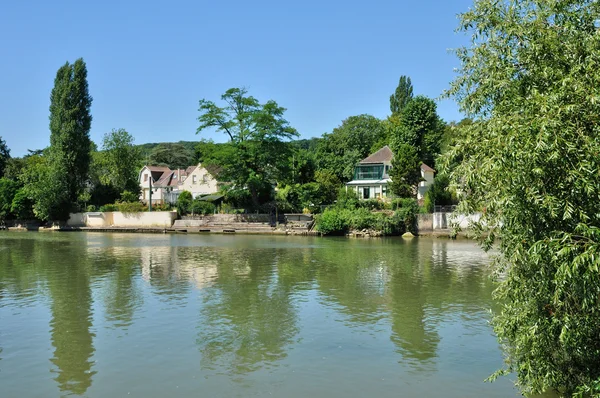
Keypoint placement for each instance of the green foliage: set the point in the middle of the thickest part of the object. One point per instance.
(339, 221)
(22, 206)
(133, 207)
(8, 190)
(348, 144)
(530, 165)
(14, 168)
(120, 161)
(4, 156)
(108, 207)
(47, 187)
(347, 199)
(420, 127)
(90, 208)
(438, 193)
(70, 145)
(146, 149)
(257, 154)
(129, 197)
(202, 207)
(405, 172)
(333, 222)
(172, 155)
(402, 96)
(184, 202)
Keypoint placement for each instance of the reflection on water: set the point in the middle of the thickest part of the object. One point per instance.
(234, 316)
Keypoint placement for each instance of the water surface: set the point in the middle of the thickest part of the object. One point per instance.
(97, 315)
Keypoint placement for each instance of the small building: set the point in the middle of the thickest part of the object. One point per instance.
(371, 176)
(167, 184)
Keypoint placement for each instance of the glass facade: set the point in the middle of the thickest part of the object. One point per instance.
(368, 172)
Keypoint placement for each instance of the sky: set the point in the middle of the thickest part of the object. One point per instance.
(150, 62)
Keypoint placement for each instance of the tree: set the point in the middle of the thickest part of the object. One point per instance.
(172, 155)
(4, 156)
(121, 159)
(405, 173)
(70, 123)
(402, 96)
(349, 143)
(420, 126)
(530, 166)
(257, 141)
(8, 190)
(48, 190)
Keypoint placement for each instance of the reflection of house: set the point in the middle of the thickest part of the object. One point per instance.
(167, 184)
(371, 176)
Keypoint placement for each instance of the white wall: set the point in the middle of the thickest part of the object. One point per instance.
(118, 219)
(424, 185)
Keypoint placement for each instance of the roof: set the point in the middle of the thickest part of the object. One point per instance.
(424, 167)
(385, 154)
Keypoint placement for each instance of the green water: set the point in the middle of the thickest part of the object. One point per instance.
(107, 315)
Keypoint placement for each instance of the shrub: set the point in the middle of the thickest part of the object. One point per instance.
(110, 207)
(332, 222)
(161, 207)
(130, 197)
(184, 203)
(90, 208)
(130, 207)
(202, 207)
(347, 199)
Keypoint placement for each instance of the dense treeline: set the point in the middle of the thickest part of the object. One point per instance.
(263, 165)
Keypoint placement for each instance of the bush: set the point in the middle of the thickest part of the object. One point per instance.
(130, 207)
(90, 208)
(347, 199)
(333, 222)
(130, 197)
(110, 207)
(184, 203)
(160, 207)
(202, 207)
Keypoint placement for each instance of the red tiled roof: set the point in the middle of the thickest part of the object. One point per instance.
(385, 154)
(424, 167)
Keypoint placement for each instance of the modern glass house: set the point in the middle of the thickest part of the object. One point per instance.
(371, 176)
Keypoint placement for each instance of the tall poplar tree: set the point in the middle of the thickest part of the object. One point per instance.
(63, 175)
(402, 96)
(70, 123)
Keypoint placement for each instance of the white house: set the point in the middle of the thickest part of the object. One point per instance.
(371, 176)
(167, 184)
(199, 181)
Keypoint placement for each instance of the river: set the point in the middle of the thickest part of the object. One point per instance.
(99, 315)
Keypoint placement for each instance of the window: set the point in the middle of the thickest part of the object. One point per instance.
(366, 192)
(145, 177)
(387, 169)
(384, 191)
(204, 179)
(368, 172)
(194, 177)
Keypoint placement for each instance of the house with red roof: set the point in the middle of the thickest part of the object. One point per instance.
(371, 176)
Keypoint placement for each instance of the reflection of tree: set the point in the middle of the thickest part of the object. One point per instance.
(414, 335)
(248, 317)
(120, 295)
(352, 273)
(69, 286)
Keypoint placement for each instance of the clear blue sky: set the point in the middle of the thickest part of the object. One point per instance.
(149, 62)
